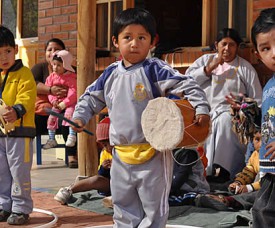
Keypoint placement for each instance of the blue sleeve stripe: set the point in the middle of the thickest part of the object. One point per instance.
(100, 82)
(157, 70)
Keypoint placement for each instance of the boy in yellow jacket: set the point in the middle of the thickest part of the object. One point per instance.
(18, 92)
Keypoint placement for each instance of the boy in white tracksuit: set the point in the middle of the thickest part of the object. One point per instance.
(140, 175)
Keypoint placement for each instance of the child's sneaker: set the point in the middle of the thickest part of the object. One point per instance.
(17, 218)
(71, 140)
(107, 202)
(4, 215)
(51, 143)
(63, 195)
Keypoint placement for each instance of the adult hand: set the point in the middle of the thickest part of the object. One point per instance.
(235, 101)
(59, 91)
(213, 63)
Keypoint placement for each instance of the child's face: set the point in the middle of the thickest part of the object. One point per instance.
(7, 57)
(134, 43)
(257, 140)
(51, 48)
(106, 145)
(266, 48)
(58, 67)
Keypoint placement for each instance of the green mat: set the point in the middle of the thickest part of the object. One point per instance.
(180, 215)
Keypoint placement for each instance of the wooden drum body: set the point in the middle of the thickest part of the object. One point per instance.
(168, 124)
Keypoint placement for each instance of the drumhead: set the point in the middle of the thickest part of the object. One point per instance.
(162, 124)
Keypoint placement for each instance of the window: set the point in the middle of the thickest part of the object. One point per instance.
(29, 18)
(233, 14)
(20, 17)
(9, 14)
(106, 12)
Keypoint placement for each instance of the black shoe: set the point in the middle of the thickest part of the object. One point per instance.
(4, 215)
(17, 218)
(73, 164)
(214, 202)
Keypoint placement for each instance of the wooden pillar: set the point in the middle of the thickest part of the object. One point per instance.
(86, 58)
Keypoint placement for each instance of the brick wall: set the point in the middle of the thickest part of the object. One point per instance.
(57, 18)
(259, 5)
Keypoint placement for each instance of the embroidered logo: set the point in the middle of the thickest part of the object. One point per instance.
(16, 190)
(140, 93)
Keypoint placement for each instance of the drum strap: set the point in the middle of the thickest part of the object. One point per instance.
(186, 164)
(186, 127)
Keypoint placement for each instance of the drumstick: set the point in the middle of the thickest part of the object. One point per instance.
(60, 116)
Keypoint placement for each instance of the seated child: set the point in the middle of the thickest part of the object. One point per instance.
(188, 177)
(63, 75)
(245, 185)
(100, 182)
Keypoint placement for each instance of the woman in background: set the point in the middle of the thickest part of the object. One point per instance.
(221, 74)
(41, 71)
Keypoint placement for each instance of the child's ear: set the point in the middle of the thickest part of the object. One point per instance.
(16, 49)
(115, 43)
(257, 55)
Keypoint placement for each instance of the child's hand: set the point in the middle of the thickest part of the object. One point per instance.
(232, 187)
(10, 115)
(202, 119)
(80, 124)
(107, 163)
(241, 189)
(61, 106)
(270, 150)
(55, 104)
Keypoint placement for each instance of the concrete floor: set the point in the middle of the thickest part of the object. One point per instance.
(53, 173)
(46, 181)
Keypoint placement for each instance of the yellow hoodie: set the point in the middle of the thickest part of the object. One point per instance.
(19, 91)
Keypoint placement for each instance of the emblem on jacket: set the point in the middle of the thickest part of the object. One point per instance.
(140, 93)
(268, 131)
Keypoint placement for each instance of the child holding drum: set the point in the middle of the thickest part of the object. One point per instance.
(140, 175)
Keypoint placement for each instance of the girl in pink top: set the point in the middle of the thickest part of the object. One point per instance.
(63, 75)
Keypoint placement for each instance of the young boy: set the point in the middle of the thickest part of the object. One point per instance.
(63, 75)
(100, 182)
(140, 176)
(244, 187)
(18, 91)
(263, 38)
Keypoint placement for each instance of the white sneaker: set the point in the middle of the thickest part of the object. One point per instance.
(71, 140)
(107, 202)
(63, 195)
(80, 177)
(51, 143)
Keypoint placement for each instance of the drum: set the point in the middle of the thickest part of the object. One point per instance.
(4, 126)
(168, 124)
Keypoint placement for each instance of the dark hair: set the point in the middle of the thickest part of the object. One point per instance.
(59, 59)
(55, 40)
(263, 24)
(6, 37)
(231, 33)
(135, 16)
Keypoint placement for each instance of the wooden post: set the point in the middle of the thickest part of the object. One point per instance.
(86, 58)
